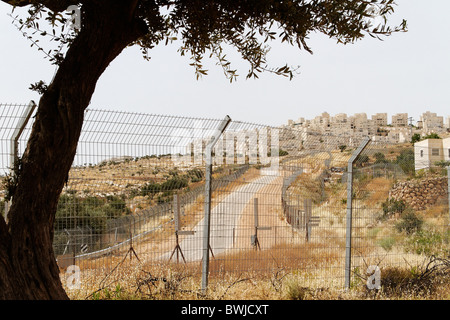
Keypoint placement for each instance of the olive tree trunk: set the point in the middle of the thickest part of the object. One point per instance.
(28, 268)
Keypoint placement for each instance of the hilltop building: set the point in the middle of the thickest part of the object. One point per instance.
(431, 123)
(380, 119)
(430, 151)
(400, 120)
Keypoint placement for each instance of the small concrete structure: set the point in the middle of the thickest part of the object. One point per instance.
(430, 151)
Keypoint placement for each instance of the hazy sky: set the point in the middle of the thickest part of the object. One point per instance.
(408, 72)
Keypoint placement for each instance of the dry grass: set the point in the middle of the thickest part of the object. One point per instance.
(284, 256)
(242, 275)
(379, 191)
(131, 281)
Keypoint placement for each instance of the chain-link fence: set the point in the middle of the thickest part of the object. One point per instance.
(400, 206)
(325, 207)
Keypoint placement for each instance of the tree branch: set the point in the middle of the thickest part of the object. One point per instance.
(54, 5)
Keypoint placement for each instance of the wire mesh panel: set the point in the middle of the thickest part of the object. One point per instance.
(400, 208)
(14, 133)
(11, 115)
(130, 173)
(314, 205)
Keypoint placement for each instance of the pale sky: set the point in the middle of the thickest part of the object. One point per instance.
(408, 72)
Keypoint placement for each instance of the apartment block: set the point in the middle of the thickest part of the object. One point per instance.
(400, 120)
(359, 125)
(380, 119)
(432, 123)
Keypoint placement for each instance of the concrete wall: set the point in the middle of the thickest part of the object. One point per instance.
(446, 149)
(424, 156)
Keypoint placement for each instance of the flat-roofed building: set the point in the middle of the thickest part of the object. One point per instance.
(400, 120)
(432, 123)
(430, 151)
(380, 119)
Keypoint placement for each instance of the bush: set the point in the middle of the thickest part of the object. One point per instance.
(195, 175)
(429, 243)
(406, 161)
(174, 183)
(150, 188)
(410, 223)
(380, 158)
(92, 212)
(432, 136)
(392, 206)
(415, 138)
(422, 280)
(387, 243)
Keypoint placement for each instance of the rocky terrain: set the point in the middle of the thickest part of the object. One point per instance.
(420, 194)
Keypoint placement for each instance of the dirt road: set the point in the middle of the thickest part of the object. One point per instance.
(226, 218)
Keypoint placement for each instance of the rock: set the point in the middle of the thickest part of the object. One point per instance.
(420, 194)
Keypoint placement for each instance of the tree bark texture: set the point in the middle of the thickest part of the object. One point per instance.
(28, 268)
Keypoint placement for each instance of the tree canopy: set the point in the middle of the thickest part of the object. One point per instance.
(205, 27)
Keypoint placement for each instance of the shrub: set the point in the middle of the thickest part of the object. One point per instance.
(296, 292)
(93, 212)
(115, 207)
(429, 243)
(392, 206)
(387, 243)
(410, 223)
(380, 158)
(432, 136)
(415, 138)
(174, 183)
(406, 161)
(150, 188)
(195, 175)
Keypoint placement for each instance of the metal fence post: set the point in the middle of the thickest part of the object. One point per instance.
(15, 141)
(348, 233)
(208, 191)
(308, 221)
(18, 131)
(255, 241)
(448, 190)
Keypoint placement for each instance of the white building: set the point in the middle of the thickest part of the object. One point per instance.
(400, 134)
(430, 151)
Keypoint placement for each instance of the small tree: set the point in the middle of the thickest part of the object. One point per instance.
(362, 160)
(406, 161)
(380, 158)
(432, 136)
(415, 138)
